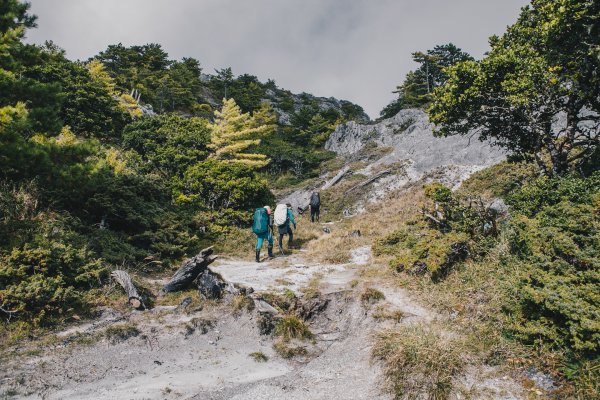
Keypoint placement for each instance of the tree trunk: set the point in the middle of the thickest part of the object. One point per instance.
(370, 180)
(189, 271)
(336, 178)
(123, 279)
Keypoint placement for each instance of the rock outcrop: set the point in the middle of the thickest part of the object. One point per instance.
(405, 148)
(410, 134)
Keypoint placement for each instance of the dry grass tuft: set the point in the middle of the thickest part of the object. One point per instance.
(259, 356)
(371, 296)
(383, 313)
(241, 302)
(287, 351)
(291, 327)
(418, 362)
(122, 332)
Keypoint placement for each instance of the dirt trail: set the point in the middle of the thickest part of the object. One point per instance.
(204, 354)
(170, 357)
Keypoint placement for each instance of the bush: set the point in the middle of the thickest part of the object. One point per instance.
(451, 230)
(43, 283)
(214, 185)
(554, 238)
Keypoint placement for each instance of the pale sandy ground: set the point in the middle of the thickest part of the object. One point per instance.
(166, 361)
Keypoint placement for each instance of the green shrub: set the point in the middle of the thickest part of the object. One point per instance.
(214, 185)
(46, 282)
(555, 237)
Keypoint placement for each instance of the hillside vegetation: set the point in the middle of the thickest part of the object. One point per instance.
(131, 159)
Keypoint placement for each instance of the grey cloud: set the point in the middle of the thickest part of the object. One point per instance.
(353, 49)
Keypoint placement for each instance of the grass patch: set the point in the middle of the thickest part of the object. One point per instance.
(286, 351)
(259, 356)
(283, 302)
(499, 180)
(241, 302)
(291, 327)
(383, 313)
(237, 242)
(313, 289)
(122, 332)
(371, 296)
(418, 362)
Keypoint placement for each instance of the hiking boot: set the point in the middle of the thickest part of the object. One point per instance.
(270, 250)
(257, 255)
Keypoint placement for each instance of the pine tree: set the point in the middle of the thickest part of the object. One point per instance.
(233, 132)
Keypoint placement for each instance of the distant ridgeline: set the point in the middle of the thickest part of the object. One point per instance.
(162, 85)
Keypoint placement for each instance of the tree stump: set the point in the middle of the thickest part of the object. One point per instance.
(123, 279)
(189, 271)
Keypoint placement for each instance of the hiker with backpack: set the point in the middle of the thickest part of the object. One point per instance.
(283, 217)
(315, 205)
(262, 226)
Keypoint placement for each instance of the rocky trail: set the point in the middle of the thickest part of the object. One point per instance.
(204, 352)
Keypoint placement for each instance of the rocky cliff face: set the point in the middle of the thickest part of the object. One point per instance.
(410, 135)
(406, 151)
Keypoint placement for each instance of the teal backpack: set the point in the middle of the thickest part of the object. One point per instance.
(260, 224)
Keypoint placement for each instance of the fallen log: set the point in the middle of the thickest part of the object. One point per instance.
(336, 178)
(189, 271)
(123, 279)
(369, 181)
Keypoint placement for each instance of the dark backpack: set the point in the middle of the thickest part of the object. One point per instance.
(260, 223)
(315, 200)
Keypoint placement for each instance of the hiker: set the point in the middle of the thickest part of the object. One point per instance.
(262, 226)
(315, 205)
(283, 217)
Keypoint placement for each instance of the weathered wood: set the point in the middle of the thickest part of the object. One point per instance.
(123, 279)
(336, 178)
(189, 271)
(369, 181)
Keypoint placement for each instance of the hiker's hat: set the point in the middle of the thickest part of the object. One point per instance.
(268, 210)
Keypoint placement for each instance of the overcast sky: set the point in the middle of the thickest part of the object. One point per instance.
(357, 50)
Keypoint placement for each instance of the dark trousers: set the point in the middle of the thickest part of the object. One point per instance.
(314, 213)
(291, 238)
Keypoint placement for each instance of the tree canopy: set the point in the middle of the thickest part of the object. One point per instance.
(233, 132)
(536, 92)
(418, 85)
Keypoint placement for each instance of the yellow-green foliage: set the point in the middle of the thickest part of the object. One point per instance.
(233, 132)
(499, 180)
(418, 362)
